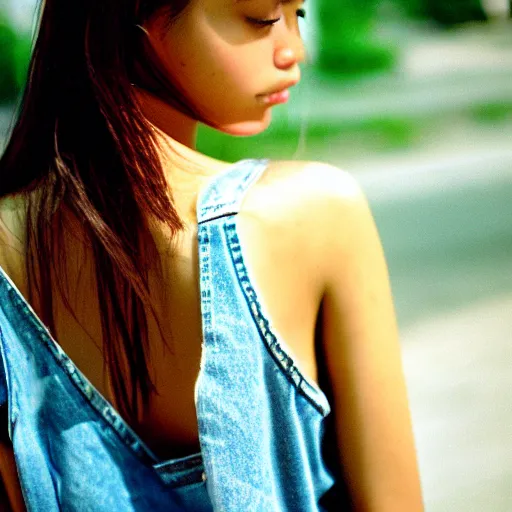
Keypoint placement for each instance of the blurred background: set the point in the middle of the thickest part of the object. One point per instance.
(414, 97)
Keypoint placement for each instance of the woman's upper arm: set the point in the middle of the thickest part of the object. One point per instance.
(362, 355)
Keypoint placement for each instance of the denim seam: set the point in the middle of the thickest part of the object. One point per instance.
(192, 467)
(99, 404)
(113, 421)
(208, 207)
(192, 478)
(285, 362)
(215, 217)
(8, 387)
(206, 294)
(180, 465)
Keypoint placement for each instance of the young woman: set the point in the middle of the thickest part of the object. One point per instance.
(179, 333)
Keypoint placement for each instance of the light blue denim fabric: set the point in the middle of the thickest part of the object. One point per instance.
(262, 424)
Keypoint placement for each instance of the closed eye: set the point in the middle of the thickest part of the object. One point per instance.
(263, 23)
(301, 13)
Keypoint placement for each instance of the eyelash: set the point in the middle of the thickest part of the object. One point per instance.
(301, 13)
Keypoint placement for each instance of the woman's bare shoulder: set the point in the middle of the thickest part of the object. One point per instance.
(304, 208)
(315, 177)
(307, 193)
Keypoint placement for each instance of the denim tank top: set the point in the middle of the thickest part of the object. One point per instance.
(262, 424)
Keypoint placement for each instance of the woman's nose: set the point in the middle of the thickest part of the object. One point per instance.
(289, 52)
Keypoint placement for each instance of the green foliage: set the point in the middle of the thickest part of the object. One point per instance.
(313, 142)
(453, 12)
(8, 84)
(346, 38)
(494, 112)
(14, 60)
(22, 52)
(355, 57)
(445, 12)
(413, 8)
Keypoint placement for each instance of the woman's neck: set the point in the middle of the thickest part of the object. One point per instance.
(173, 123)
(185, 168)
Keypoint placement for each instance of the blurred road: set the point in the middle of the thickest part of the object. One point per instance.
(437, 72)
(447, 230)
(444, 211)
(458, 371)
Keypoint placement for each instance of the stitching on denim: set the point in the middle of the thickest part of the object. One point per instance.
(252, 168)
(92, 396)
(204, 273)
(190, 478)
(11, 412)
(214, 207)
(226, 213)
(285, 362)
(206, 294)
(192, 462)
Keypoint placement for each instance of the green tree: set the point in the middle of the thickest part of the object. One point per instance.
(452, 12)
(346, 37)
(445, 12)
(8, 80)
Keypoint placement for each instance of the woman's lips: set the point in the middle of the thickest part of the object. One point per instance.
(276, 97)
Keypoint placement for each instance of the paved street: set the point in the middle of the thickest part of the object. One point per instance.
(458, 369)
(448, 239)
(444, 210)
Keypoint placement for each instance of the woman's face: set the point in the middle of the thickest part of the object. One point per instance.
(229, 58)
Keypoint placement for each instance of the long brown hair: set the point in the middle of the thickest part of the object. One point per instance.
(81, 143)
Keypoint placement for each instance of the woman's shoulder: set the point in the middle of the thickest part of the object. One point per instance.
(312, 211)
(308, 192)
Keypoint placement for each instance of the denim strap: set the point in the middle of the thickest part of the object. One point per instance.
(3, 379)
(225, 193)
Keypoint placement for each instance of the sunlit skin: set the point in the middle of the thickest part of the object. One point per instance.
(310, 243)
(227, 63)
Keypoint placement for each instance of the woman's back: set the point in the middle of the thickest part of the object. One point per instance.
(274, 233)
(271, 384)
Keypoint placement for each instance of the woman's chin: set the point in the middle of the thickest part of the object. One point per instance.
(247, 128)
